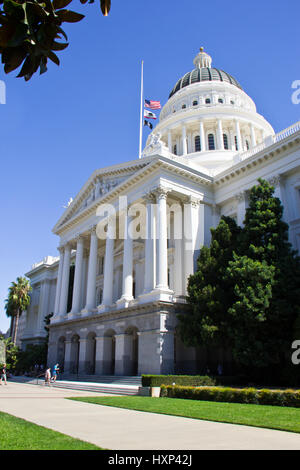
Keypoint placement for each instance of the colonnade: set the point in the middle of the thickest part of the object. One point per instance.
(189, 234)
(181, 140)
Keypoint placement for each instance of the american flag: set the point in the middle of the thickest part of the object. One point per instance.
(152, 104)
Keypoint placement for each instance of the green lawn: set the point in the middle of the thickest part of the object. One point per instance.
(273, 417)
(18, 434)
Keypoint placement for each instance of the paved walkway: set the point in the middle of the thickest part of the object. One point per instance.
(120, 429)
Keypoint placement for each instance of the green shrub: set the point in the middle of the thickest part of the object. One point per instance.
(188, 380)
(234, 395)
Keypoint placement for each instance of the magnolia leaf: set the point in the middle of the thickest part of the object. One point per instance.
(28, 67)
(58, 46)
(16, 58)
(69, 16)
(58, 4)
(105, 6)
(53, 57)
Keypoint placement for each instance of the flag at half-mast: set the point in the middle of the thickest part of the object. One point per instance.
(151, 104)
(149, 114)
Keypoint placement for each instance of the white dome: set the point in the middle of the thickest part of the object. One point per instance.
(209, 119)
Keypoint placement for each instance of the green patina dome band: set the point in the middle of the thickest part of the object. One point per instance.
(204, 74)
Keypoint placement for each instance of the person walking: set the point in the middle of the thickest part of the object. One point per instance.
(3, 374)
(55, 372)
(48, 376)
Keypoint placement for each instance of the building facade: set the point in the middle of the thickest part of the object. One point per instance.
(131, 237)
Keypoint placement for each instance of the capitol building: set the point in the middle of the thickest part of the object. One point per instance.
(129, 240)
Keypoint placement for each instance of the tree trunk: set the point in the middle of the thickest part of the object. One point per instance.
(12, 321)
(16, 328)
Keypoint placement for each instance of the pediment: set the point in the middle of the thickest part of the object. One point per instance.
(98, 186)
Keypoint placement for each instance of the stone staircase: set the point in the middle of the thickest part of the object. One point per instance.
(117, 385)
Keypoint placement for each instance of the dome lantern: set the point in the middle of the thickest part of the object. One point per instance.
(202, 60)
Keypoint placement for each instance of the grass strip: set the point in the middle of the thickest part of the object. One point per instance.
(19, 434)
(264, 416)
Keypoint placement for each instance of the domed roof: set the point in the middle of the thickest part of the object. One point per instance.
(203, 72)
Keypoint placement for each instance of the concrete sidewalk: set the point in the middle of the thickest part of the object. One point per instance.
(120, 429)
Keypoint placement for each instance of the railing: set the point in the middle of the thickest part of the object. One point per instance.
(270, 140)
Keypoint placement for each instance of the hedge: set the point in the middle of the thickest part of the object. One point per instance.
(193, 380)
(234, 395)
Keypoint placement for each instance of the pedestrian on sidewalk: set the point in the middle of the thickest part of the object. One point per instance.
(3, 374)
(48, 376)
(55, 372)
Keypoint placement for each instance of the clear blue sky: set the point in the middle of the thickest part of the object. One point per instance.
(58, 128)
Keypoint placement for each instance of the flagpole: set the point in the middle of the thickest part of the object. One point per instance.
(141, 111)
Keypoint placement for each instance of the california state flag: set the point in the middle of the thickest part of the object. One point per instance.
(149, 114)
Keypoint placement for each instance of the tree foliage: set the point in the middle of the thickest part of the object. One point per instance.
(18, 300)
(31, 32)
(245, 292)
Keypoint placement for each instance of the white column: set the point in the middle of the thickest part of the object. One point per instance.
(43, 307)
(127, 280)
(220, 135)
(149, 245)
(241, 199)
(184, 146)
(178, 254)
(59, 279)
(202, 136)
(253, 137)
(65, 281)
(170, 141)
(193, 235)
(108, 266)
(162, 248)
(78, 276)
(238, 135)
(92, 272)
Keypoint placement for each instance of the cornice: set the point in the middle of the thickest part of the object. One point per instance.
(257, 159)
(156, 162)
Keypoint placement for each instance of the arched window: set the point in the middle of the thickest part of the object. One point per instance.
(197, 144)
(232, 102)
(236, 143)
(183, 106)
(195, 102)
(207, 101)
(175, 149)
(211, 142)
(220, 101)
(225, 142)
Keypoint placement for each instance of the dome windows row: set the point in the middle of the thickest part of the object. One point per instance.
(210, 141)
(203, 101)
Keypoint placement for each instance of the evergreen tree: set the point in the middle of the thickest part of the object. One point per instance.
(264, 239)
(245, 292)
(209, 293)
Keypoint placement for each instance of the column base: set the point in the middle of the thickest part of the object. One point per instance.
(104, 308)
(163, 294)
(85, 312)
(124, 302)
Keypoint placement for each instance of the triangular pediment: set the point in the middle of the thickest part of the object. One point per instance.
(101, 183)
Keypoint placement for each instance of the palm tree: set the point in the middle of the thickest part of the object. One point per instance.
(17, 301)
